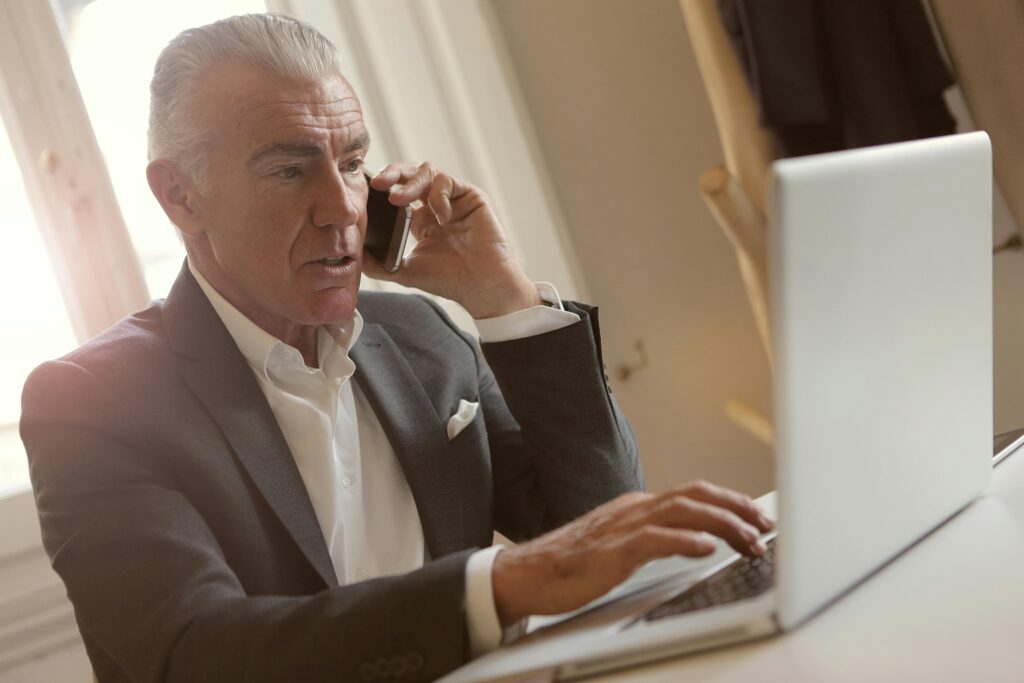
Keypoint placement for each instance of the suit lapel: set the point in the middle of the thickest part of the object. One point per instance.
(416, 435)
(222, 380)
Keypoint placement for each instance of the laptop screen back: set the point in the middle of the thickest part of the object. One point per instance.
(881, 272)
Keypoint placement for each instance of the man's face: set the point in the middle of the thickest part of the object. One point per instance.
(285, 212)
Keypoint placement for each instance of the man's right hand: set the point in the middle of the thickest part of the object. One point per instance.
(574, 564)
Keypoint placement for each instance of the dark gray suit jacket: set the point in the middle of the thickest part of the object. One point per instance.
(172, 508)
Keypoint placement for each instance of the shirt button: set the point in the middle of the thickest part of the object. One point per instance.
(346, 482)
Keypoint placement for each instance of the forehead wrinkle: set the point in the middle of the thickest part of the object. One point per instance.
(289, 108)
(306, 120)
(311, 131)
(300, 120)
(318, 120)
(309, 103)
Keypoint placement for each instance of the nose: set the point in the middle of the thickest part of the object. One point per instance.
(337, 204)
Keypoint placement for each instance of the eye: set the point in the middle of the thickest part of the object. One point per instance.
(288, 172)
(354, 167)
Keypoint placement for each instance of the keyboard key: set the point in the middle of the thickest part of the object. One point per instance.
(746, 578)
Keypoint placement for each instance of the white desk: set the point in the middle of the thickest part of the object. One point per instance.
(950, 609)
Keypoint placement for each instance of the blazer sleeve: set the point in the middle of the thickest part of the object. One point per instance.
(152, 589)
(560, 446)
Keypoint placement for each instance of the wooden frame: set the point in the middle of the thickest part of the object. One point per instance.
(734, 192)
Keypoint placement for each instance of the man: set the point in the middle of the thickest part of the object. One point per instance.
(256, 480)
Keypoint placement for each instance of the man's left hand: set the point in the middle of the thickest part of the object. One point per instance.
(461, 252)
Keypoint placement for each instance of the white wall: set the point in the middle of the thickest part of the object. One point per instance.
(619, 110)
(1008, 351)
(1008, 299)
(67, 664)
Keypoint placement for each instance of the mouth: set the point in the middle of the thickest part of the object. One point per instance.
(332, 267)
(341, 261)
(336, 261)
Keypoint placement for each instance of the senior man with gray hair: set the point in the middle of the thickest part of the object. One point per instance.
(255, 479)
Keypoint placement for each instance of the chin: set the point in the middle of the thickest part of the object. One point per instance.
(331, 307)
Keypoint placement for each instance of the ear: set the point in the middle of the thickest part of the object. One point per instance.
(178, 196)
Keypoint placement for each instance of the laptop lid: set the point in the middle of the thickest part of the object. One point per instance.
(881, 277)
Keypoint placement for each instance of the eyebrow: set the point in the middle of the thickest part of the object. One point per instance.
(301, 149)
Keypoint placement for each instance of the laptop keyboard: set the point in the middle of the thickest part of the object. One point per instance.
(746, 578)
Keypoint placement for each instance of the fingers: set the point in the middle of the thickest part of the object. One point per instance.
(423, 224)
(414, 185)
(680, 512)
(651, 542)
(695, 506)
(734, 501)
(392, 174)
(573, 564)
(424, 182)
(439, 198)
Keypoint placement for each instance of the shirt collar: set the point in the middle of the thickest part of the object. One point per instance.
(258, 346)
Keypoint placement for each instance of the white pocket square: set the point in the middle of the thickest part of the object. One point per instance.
(464, 415)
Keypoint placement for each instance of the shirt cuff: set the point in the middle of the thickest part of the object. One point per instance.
(481, 614)
(529, 321)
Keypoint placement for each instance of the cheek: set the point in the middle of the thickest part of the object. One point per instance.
(273, 225)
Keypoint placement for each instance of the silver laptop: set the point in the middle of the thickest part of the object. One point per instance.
(881, 276)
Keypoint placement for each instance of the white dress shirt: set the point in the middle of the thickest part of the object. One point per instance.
(357, 488)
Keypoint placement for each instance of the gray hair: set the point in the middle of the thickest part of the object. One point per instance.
(279, 44)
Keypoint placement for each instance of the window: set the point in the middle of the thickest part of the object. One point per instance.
(69, 270)
(115, 87)
(36, 325)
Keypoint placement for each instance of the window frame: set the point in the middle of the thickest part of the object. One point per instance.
(64, 172)
(71, 197)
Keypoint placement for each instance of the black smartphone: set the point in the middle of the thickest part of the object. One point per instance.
(387, 228)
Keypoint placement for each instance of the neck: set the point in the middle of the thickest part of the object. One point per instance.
(306, 342)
